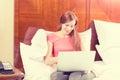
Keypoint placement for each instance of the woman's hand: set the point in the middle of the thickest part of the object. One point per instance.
(54, 66)
(51, 60)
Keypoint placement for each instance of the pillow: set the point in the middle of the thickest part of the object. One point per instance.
(39, 45)
(34, 70)
(109, 53)
(86, 39)
(107, 32)
(39, 38)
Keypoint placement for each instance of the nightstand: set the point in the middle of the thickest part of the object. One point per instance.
(18, 75)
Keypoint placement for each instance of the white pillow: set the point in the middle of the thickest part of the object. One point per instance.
(86, 39)
(107, 32)
(110, 54)
(39, 45)
(34, 70)
(39, 38)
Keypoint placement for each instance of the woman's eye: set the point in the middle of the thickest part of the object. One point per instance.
(72, 26)
(67, 25)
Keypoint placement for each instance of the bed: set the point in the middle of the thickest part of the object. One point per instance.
(101, 37)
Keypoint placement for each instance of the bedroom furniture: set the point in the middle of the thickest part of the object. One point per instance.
(18, 75)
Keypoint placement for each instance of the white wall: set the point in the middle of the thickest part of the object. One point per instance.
(7, 30)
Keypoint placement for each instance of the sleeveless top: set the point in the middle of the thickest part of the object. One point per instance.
(60, 44)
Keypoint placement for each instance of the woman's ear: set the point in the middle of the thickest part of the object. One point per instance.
(76, 23)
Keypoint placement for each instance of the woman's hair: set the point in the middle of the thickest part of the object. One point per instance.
(67, 17)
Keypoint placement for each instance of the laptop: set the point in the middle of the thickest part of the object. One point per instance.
(75, 60)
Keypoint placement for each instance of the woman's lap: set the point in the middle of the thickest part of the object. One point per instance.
(80, 75)
(76, 75)
(59, 76)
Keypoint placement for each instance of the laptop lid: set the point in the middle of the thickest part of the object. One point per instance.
(75, 60)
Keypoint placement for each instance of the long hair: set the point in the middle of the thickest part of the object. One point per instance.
(67, 17)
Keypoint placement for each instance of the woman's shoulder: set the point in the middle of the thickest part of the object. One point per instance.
(52, 37)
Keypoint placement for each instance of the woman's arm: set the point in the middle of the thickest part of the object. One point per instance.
(49, 59)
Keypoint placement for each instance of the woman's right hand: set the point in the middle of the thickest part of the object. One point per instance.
(51, 61)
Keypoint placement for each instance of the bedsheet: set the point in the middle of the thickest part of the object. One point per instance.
(106, 72)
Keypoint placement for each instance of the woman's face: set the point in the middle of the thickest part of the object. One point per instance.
(68, 27)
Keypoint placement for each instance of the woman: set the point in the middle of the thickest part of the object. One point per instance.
(68, 35)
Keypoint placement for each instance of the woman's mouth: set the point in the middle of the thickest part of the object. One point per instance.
(67, 31)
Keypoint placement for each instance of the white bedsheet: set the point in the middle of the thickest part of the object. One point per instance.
(38, 71)
(106, 72)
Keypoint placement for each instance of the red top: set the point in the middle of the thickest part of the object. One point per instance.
(60, 44)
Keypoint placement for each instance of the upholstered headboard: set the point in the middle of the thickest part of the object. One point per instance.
(29, 35)
(94, 41)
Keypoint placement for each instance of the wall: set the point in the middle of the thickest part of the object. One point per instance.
(6, 30)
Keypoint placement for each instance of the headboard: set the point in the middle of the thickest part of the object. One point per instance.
(94, 41)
